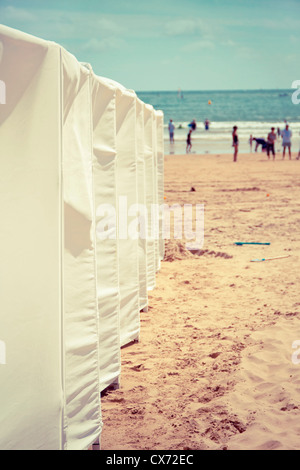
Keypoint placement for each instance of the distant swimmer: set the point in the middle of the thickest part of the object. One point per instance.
(206, 124)
(189, 141)
(171, 131)
(235, 142)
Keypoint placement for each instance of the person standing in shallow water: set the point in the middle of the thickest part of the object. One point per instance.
(235, 143)
(189, 142)
(171, 131)
(271, 143)
(286, 141)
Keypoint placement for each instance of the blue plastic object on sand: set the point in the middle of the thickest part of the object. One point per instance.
(251, 243)
(269, 259)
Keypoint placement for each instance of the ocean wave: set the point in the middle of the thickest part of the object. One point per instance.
(216, 125)
(222, 131)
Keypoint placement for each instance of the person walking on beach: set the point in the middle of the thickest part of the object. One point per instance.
(271, 143)
(206, 124)
(171, 131)
(189, 141)
(286, 135)
(235, 142)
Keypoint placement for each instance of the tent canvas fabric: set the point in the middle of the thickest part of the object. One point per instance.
(51, 327)
(150, 198)
(127, 197)
(72, 144)
(155, 212)
(104, 166)
(31, 249)
(160, 179)
(143, 293)
(80, 331)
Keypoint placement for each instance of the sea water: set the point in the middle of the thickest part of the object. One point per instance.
(254, 112)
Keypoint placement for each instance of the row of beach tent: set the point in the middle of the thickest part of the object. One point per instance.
(79, 153)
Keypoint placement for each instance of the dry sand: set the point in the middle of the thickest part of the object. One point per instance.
(214, 369)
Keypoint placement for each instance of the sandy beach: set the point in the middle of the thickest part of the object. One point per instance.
(213, 368)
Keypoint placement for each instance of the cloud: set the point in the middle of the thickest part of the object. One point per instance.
(191, 26)
(294, 39)
(107, 25)
(228, 43)
(171, 60)
(59, 25)
(198, 45)
(103, 44)
(76, 25)
(11, 13)
(284, 23)
(291, 58)
(248, 53)
(182, 27)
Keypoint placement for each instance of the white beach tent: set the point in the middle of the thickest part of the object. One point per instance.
(160, 179)
(72, 144)
(105, 193)
(127, 197)
(155, 210)
(150, 196)
(49, 321)
(142, 204)
(80, 333)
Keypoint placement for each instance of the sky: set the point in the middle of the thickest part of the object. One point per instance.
(163, 45)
